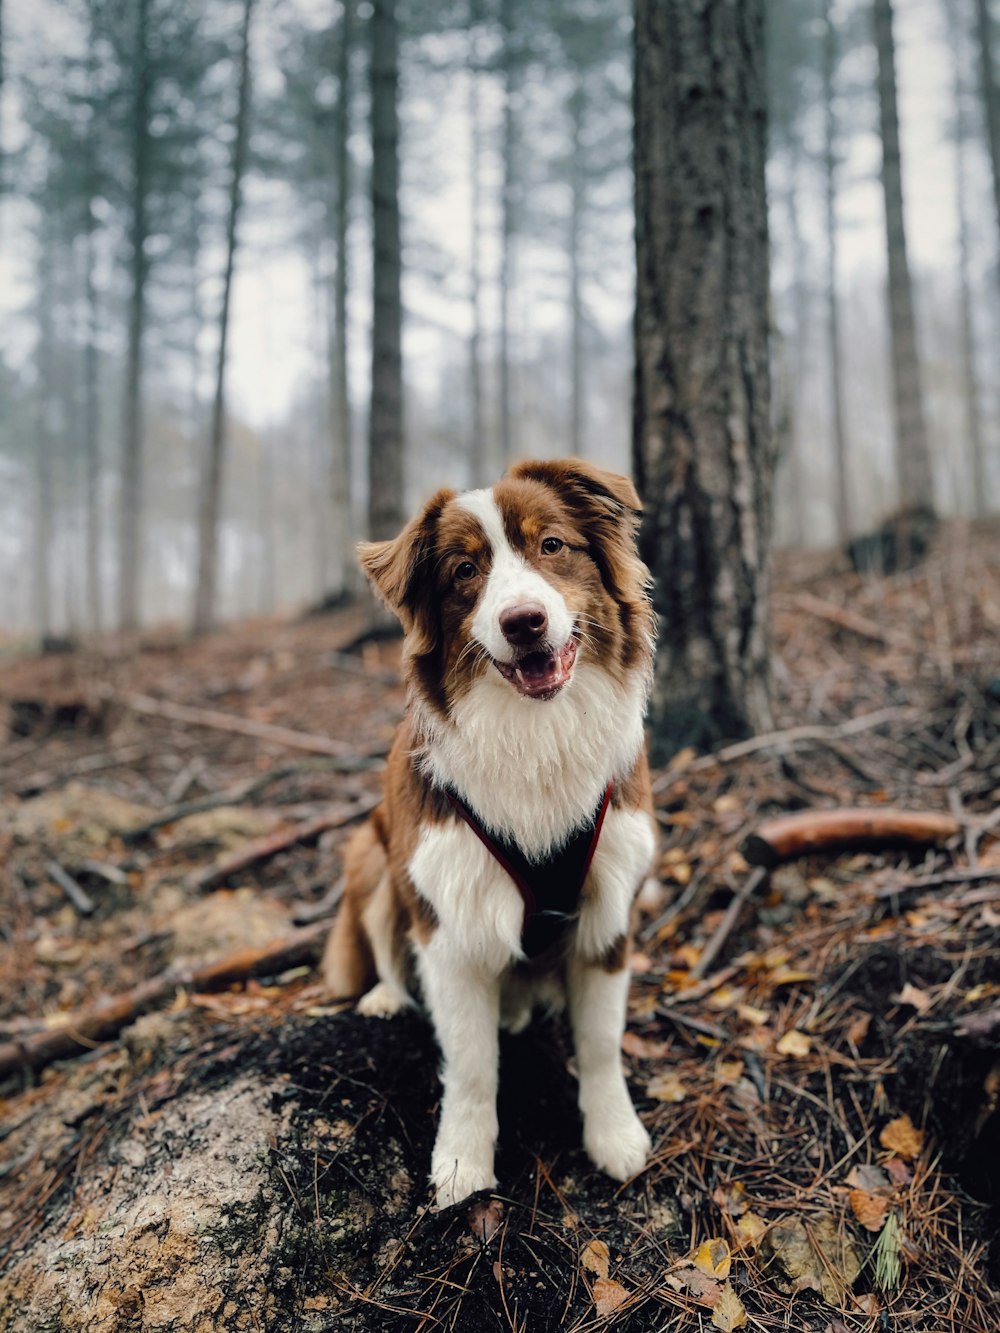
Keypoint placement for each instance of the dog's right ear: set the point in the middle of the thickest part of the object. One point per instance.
(401, 571)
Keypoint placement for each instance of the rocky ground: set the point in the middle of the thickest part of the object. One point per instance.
(194, 1138)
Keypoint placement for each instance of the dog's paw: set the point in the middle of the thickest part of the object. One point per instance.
(455, 1178)
(617, 1143)
(382, 1001)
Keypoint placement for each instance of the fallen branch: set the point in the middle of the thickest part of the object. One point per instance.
(244, 726)
(78, 896)
(832, 830)
(943, 879)
(80, 1030)
(850, 620)
(779, 739)
(264, 848)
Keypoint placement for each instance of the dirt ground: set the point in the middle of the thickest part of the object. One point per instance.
(814, 1049)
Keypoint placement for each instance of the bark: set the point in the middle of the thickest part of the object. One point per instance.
(913, 461)
(795, 439)
(386, 501)
(342, 472)
(131, 498)
(507, 226)
(842, 508)
(206, 591)
(990, 95)
(477, 425)
(970, 385)
(702, 446)
(577, 106)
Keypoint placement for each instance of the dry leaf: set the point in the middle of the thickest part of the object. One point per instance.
(899, 1172)
(868, 1176)
(642, 1048)
(821, 1258)
(729, 1197)
(902, 1137)
(869, 1209)
(758, 1017)
(595, 1258)
(730, 1312)
(858, 1030)
(713, 1258)
(687, 1278)
(749, 1230)
(915, 997)
(789, 976)
(667, 1088)
(608, 1295)
(728, 1072)
(794, 1043)
(485, 1219)
(868, 1304)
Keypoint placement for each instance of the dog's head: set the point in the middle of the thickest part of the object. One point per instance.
(518, 583)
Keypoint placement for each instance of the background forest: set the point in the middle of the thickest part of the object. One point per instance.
(188, 185)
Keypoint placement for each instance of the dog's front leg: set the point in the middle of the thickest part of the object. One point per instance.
(613, 1135)
(464, 1001)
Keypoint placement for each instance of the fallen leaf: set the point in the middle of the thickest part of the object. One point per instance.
(667, 1088)
(789, 976)
(730, 1312)
(915, 997)
(687, 955)
(729, 1197)
(687, 1278)
(727, 804)
(869, 1209)
(902, 1137)
(642, 1048)
(868, 1176)
(821, 1258)
(485, 1219)
(899, 1172)
(724, 998)
(595, 1258)
(712, 1257)
(794, 1043)
(867, 1303)
(858, 1030)
(608, 1295)
(749, 1230)
(758, 1017)
(728, 1072)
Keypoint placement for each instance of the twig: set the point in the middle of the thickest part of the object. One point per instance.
(264, 848)
(79, 1030)
(831, 830)
(725, 927)
(850, 620)
(91, 763)
(305, 912)
(791, 736)
(243, 726)
(941, 880)
(80, 899)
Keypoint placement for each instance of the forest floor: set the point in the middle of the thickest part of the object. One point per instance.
(814, 1049)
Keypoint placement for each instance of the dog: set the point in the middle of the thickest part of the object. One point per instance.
(501, 868)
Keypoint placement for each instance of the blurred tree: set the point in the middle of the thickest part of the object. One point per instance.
(386, 475)
(702, 447)
(210, 494)
(913, 460)
(510, 63)
(969, 357)
(842, 507)
(346, 573)
(478, 467)
(990, 95)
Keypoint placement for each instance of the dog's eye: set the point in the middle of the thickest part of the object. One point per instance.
(551, 545)
(466, 570)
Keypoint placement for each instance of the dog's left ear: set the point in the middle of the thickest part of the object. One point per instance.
(608, 509)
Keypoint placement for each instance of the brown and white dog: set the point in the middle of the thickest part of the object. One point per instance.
(501, 868)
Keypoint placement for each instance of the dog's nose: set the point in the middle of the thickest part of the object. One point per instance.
(523, 625)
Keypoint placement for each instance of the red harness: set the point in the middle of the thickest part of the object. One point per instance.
(550, 889)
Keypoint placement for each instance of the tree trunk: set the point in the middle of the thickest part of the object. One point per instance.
(842, 507)
(913, 460)
(702, 447)
(386, 500)
(990, 95)
(206, 591)
(576, 169)
(507, 226)
(478, 452)
(342, 469)
(46, 397)
(130, 544)
(970, 386)
(795, 442)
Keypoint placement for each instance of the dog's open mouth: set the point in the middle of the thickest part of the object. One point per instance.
(540, 675)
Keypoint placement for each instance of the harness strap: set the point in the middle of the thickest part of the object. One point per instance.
(532, 910)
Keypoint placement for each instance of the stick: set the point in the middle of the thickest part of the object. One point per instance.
(725, 927)
(244, 726)
(849, 620)
(776, 739)
(91, 763)
(78, 896)
(943, 879)
(831, 830)
(79, 1031)
(264, 848)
